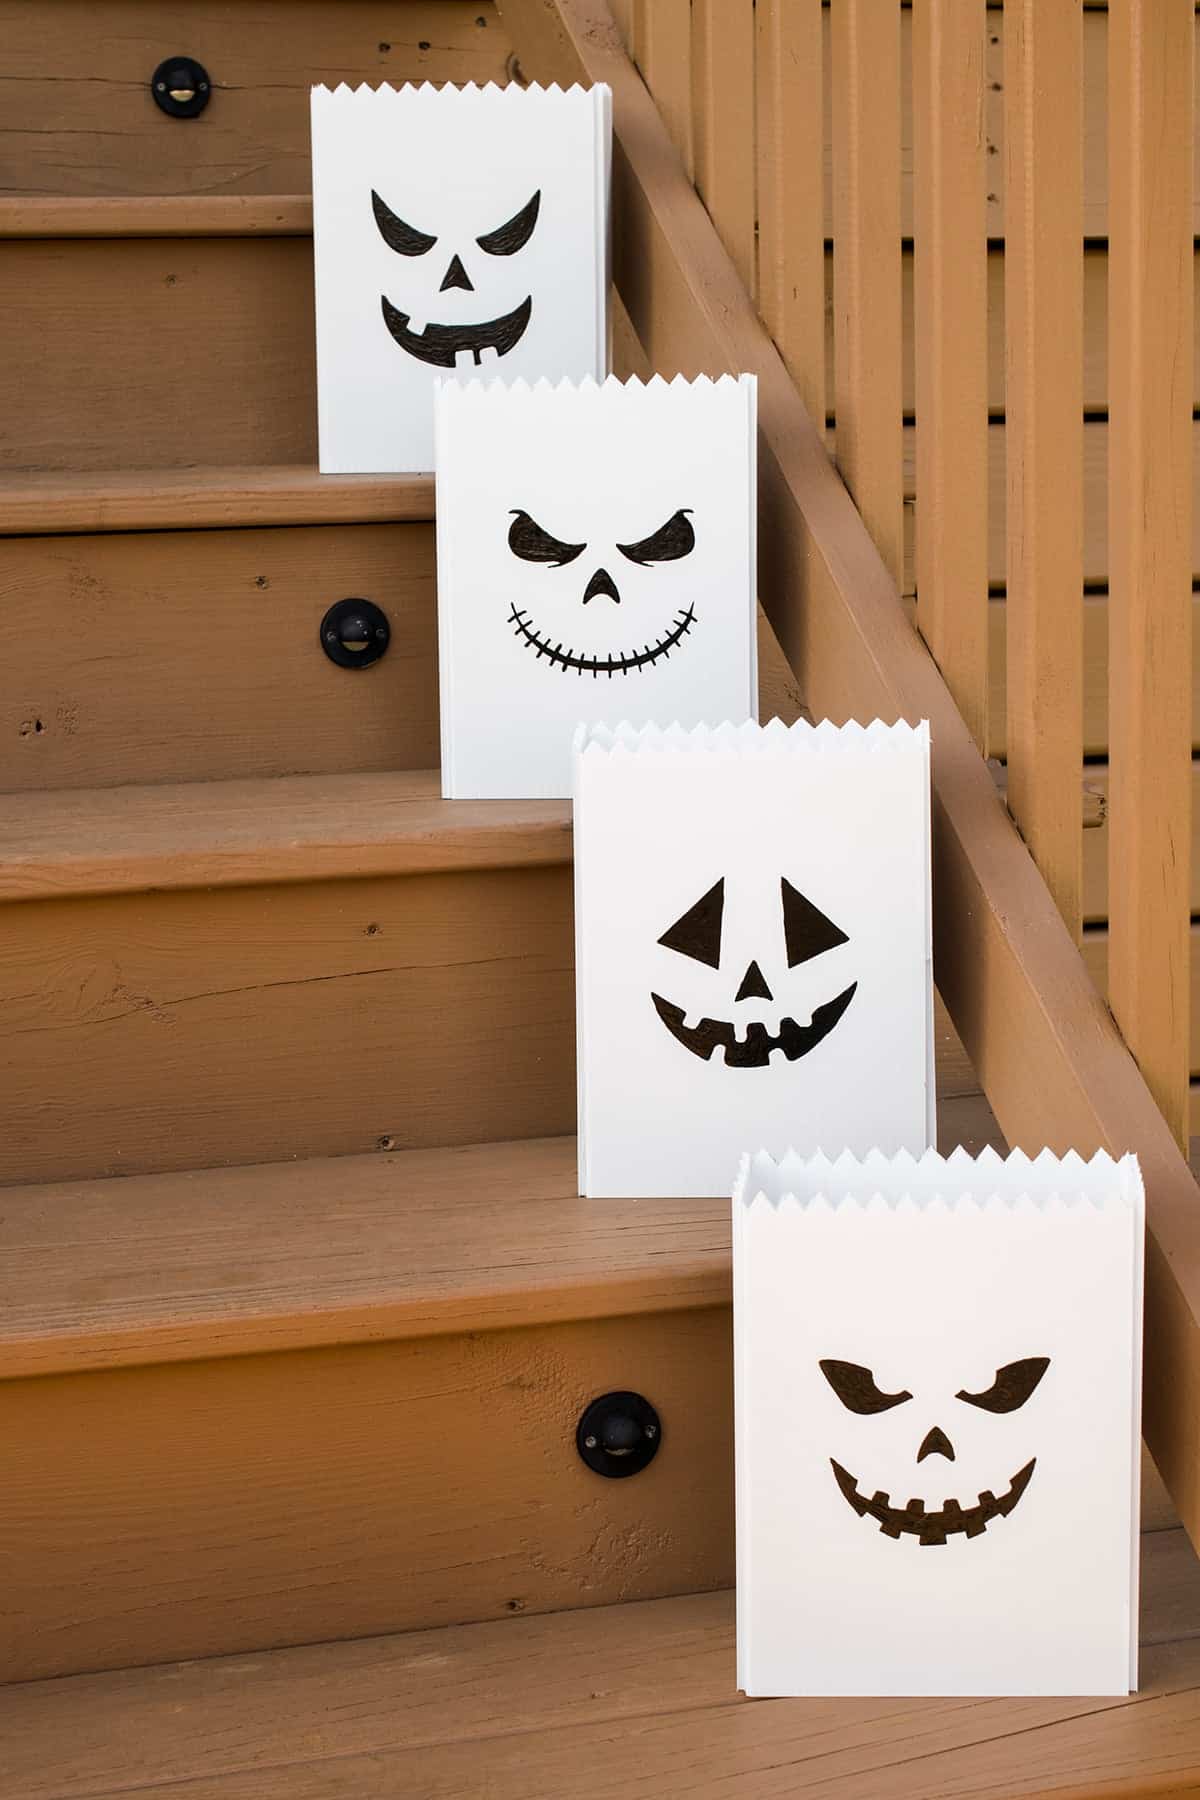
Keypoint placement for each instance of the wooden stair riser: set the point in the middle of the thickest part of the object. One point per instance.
(195, 655)
(187, 1509)
(175, 1030)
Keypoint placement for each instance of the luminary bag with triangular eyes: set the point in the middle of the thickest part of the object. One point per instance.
(937, 1381)
(596, 551)
(454, 228)
(753, 964)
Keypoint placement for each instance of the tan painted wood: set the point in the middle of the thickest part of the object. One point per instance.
(1047, 1051)
(664, 55)
(950, 342)
(194, 656)
(155, 215)
(1151, 127)
(722, 103)
(189, 1509)
(179, 1030)
(789, 110)
(551, 1701)
(352, 1249)
(237, 833)
(1044, 434)
(157, 351)
(866, 265)
(75, 129)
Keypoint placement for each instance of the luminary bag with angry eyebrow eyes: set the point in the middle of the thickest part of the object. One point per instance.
(453, 228)
(753, 966)
(937, 1384)
(595, 561)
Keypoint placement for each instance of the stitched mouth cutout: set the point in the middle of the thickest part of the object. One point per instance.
(951, 1520)
(754, 1051)
(620, 664)
(441, 344)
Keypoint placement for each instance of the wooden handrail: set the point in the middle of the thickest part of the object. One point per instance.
(1044, 1045)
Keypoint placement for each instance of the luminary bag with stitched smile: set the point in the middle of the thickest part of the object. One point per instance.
(752, 920)
(454, 229)
(595, 561)
(937, 1395)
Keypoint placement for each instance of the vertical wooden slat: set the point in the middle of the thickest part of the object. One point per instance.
(1043, 309)
(623, 12)
(663, 29)
(791, 244)
(950, 328)
(723, 122)
(1150, 304)
(866, 265)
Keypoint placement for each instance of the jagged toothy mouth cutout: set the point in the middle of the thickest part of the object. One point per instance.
(933, 1527)
(442, 344)
(620, 664)
(754, 1051)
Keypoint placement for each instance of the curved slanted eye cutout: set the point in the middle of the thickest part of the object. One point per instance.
(807, 931)
(1012, 1387)
(515, 233)
(857, 1388)
(532, 543)
(697, 932)
(671, 541)
(397, 233)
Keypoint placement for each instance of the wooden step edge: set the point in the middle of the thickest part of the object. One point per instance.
(207, 834)
(228, 1262)
(155, 215)
(353, 1249)
(36, 502)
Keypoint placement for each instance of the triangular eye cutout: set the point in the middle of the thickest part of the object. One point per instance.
(807, 931)
(697, 932)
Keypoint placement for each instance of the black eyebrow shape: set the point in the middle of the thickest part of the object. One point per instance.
(397, 233)
(671, 541)
(532, 543)
(515, 233)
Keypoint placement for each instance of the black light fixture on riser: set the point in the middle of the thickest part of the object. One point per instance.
(355, 633)
(618, 1434)
(181, 87)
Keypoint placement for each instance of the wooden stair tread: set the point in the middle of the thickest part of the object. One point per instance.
(37, 501)
(639, 1698)
(155, 215)
(278, 829)
(351, 1249)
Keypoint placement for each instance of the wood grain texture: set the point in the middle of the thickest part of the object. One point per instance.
(458, 1711)
(157, 351)
(228, 679)
(722, 106)
(155, 215)
(193, 1508)
(197, 498)
(1151, 526)
(950, 342)
(663, 53)
(866, 266)
(88, 127)
(790, 109)
(186, 1029)
(1043, 273)
(1049, 1056)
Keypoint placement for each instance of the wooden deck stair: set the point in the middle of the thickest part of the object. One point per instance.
(298, 1304)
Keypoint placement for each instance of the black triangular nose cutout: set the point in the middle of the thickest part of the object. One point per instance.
(456, 276)
(697, 932)
(807, 931)
(936, 1443)
(754, 986)
(601, 583)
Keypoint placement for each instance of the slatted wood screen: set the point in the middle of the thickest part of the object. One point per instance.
(970, 229)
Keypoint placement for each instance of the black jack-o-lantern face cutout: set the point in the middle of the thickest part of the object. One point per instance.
(442, 344)
(533, 543)
(747, 1042)
(856, 1388)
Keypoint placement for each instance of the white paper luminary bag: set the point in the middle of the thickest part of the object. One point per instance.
(937, 1394)
(596, 551)
(453, 228)
(753, 965)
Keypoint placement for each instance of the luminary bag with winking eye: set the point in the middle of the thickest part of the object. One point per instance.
(454, 229)
(937, 1397)
(753, 962)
